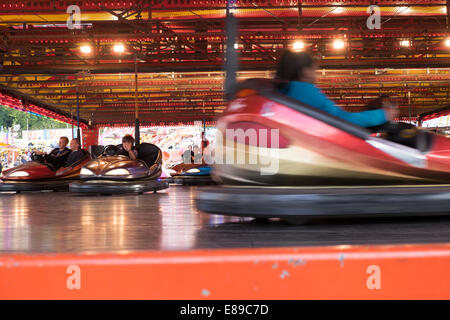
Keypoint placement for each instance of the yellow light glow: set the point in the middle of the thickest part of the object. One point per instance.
(405, 43)
(338, 44)
(119, 48)
(298, 45)
(447, 42)
(338, 10)
(401, 10)
(86, 49)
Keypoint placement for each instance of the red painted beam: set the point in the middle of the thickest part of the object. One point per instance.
(96, 5)
(15, 103)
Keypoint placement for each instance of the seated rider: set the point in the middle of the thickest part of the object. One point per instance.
(380, 102)
(400, 132)
(76, 155)
(127, 149)
(298, 69)
(197, 155)
(58, 156)
(188, 156)
(384, 101)
(205, 142)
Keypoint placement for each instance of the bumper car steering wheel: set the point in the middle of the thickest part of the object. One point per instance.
(111, 150)
(405, 134)
(41, 159)
(37, 157)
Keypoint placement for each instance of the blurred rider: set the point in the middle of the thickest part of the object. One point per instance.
(298, 70)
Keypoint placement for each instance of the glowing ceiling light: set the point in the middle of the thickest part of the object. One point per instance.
(86, 49)
(447, 42)
(405, 43)
(119, 48)
(298, 45)
(338, 10)
(236, 45)
(338, 44)
(403, 9)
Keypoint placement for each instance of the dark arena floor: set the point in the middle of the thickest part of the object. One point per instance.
(49, 222)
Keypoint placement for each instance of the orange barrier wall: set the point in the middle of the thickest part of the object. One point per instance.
(343, 272)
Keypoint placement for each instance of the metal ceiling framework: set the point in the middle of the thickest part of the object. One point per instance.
(178, 47)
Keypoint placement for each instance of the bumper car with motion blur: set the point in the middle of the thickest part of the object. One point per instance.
(40, 175)
(302, 163)
(111, 173)
(190, 174)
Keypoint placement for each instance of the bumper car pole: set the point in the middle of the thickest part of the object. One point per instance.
(78, 112)
(231, 57)
(136, 123)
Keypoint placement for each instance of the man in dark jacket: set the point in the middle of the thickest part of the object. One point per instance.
(58, 156)
(76, 155)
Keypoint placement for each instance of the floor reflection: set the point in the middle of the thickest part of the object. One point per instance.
(14, 227)
(64, 222)
(180, 220)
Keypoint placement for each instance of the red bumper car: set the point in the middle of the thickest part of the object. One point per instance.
(38, 176)
(281, 158)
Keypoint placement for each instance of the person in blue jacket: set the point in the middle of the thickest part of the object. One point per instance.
(298, 70)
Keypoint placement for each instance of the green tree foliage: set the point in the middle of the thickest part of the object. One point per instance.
(10, 117)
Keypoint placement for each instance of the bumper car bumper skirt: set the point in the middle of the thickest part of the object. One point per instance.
(22, 186)
(328, 202)
(190, 180)
(118, 187)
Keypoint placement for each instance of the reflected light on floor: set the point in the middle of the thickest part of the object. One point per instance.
(14, 225)
(180, 223)
(103, 229)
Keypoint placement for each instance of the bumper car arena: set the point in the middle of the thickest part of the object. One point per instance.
(214, 150)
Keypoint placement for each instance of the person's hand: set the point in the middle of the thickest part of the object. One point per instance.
(391, 113)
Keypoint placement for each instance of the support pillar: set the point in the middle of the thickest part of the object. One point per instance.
(90, 137)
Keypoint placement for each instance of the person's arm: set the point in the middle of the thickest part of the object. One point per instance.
(47, 156)
(69, 160)
(364, 119)
(368, 118)
(65, 153)
(132, 154)
(52, 153)
(73, 158)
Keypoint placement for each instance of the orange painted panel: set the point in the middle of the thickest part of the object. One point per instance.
(344, 272)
